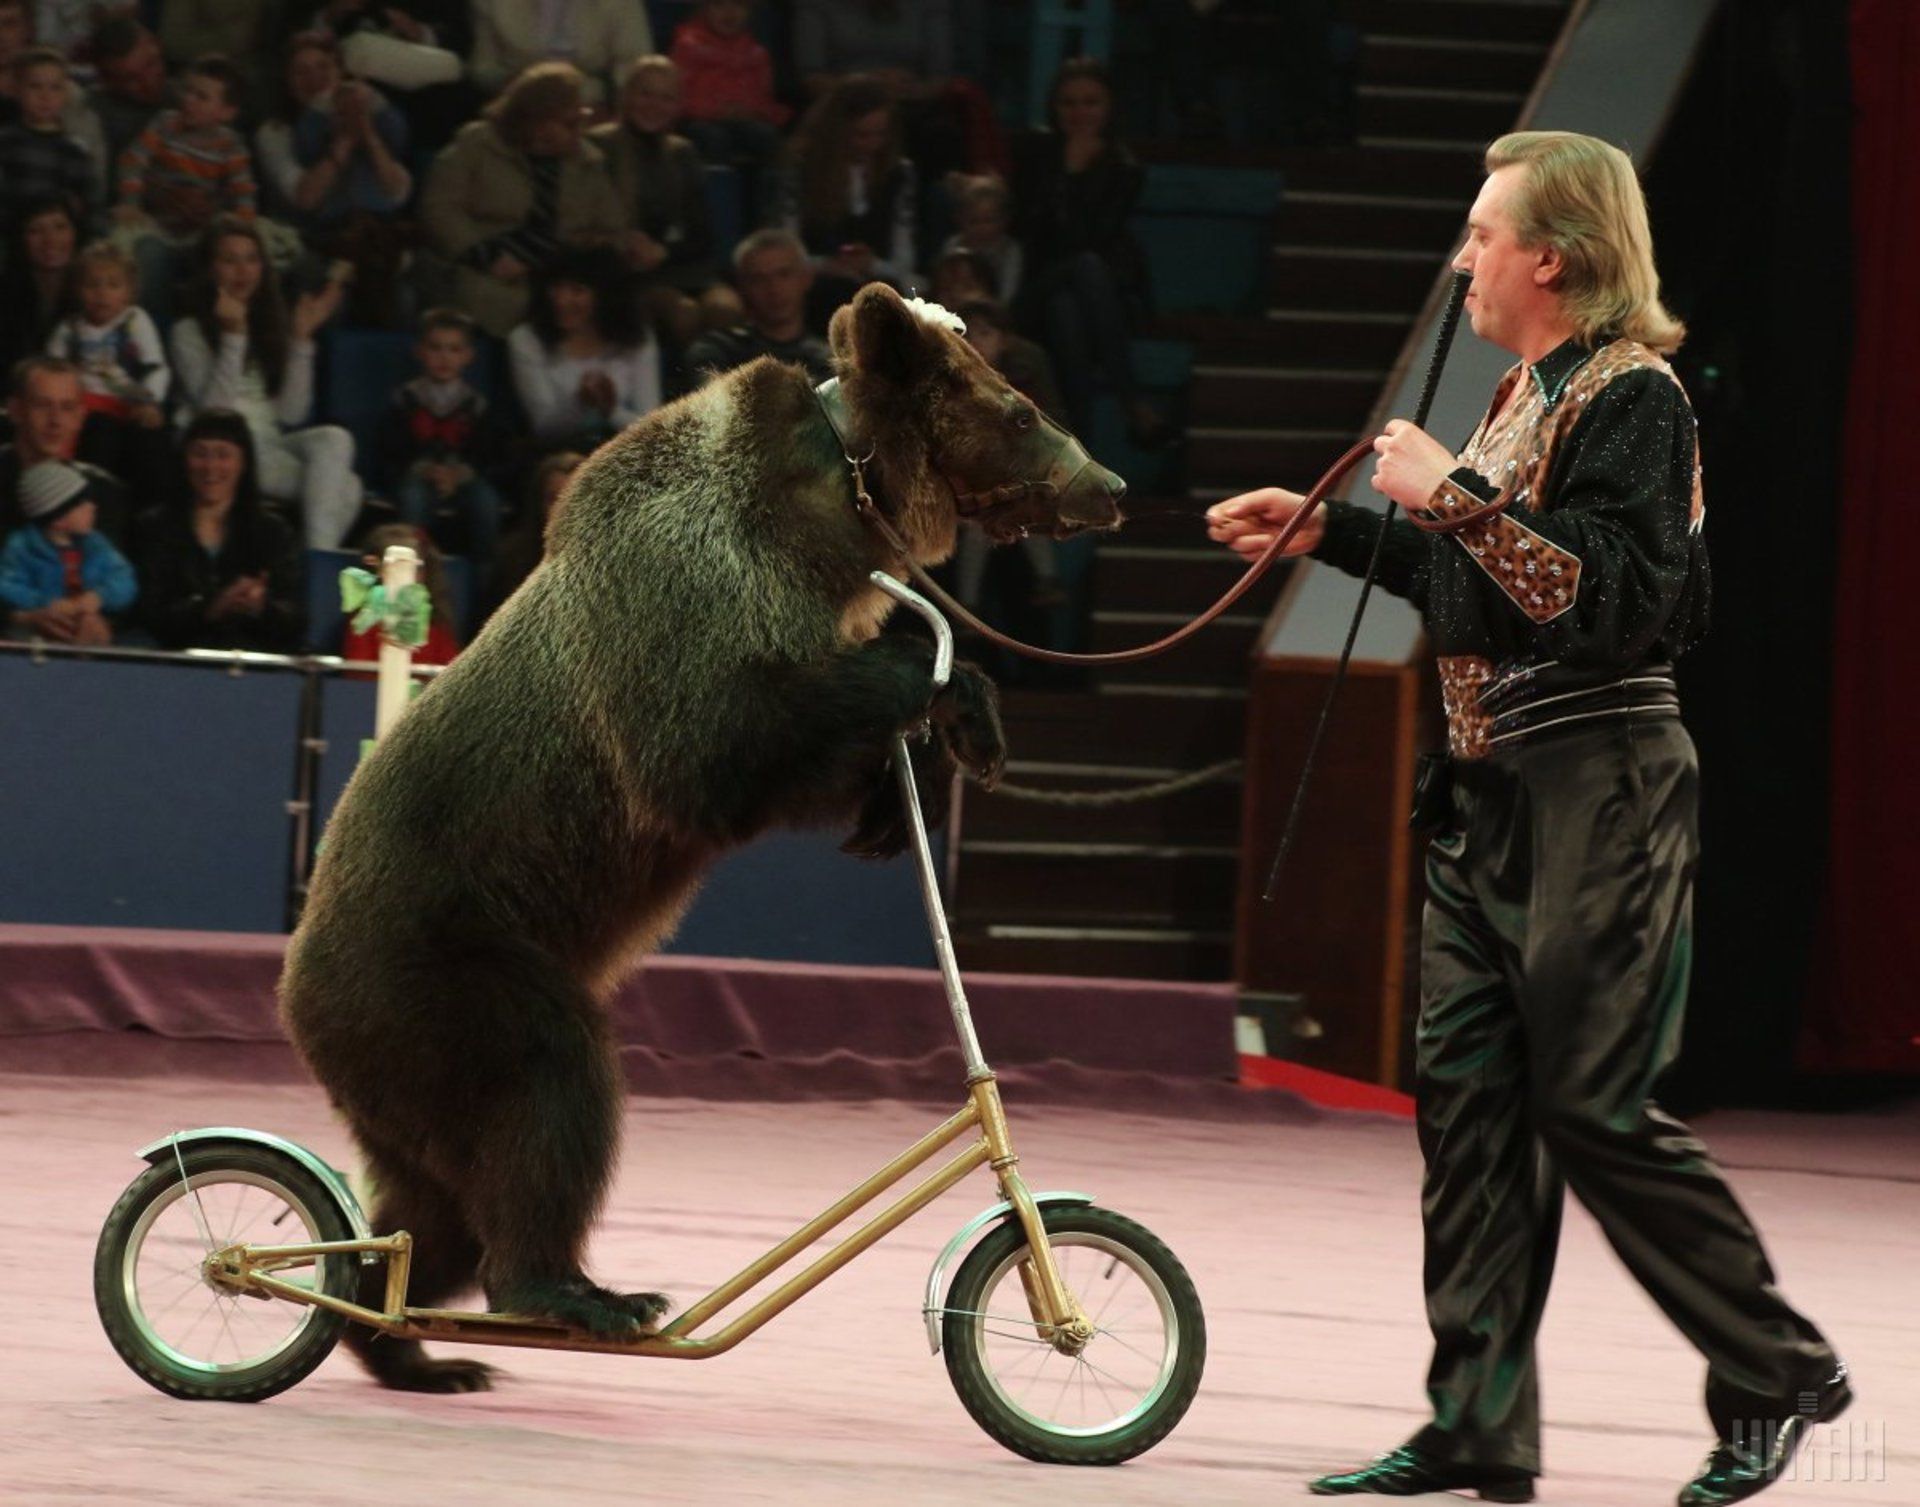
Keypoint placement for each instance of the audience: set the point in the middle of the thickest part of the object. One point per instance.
(439, 444)
(1085, 280)
(525, 544)
(983, 215)
(337, 149)
(36, 284)
(597, 36)
(243, 30)
(38, 159)
(239, 347)
(47, 405)
(218, 571)
(188, 168)
(363, 644)
(515, 188)
(416, 49)
(731, 112)
(59, 578)
(773, 274)
(123, 366)
(132, 87)
(662, 188)
(849, 193)
(583, 365)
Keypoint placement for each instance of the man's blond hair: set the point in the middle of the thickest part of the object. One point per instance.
(1581, 197)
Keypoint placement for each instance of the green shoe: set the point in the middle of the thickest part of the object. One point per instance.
(1405, 1472)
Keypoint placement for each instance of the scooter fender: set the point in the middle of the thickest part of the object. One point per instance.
(331, 1178)
(932, 1309)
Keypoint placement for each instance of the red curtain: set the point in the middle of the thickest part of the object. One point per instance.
(1865, 1010)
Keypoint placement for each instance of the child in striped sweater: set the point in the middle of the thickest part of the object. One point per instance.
(186, 168)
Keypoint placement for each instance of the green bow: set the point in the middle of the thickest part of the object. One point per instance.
(403, 619)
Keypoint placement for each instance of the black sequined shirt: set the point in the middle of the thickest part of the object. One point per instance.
(1572, 531)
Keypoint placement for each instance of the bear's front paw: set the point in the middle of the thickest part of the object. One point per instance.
(966, 718)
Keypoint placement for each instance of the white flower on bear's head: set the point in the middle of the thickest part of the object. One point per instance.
(935, 314)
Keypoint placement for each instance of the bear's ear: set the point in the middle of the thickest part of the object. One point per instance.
(883, 336)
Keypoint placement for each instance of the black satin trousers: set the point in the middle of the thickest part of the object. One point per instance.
(1555, 955)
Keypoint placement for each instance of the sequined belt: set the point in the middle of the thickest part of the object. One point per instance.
(1490, 706)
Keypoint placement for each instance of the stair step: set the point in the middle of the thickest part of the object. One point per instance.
(1098, 951)
(1366, 339)
(1312, 397)
(1536, 21)
(1413, 222)
(1217, 655)
(1410, 110)
(1390, 165)
(1263, 457)
(1178, 580)
(1464, 61)
(1306, 276)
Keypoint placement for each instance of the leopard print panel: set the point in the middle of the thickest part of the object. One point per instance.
(1462, 677)
(1514, 448)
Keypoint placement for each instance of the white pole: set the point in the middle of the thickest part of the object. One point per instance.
(399, 567)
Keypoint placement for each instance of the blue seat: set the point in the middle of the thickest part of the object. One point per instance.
(1208, 235)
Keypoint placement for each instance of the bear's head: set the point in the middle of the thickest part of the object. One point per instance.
(951, 437)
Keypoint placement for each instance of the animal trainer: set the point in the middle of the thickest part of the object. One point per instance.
(1560, 566)
(698, 659)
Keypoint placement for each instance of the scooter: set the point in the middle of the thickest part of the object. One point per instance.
(1071, 1334)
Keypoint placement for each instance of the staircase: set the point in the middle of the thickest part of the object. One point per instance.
(1147, 890)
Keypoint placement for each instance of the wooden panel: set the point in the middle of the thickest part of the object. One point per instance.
(1337, 933)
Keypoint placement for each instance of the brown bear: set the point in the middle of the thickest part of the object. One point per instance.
(698, 658)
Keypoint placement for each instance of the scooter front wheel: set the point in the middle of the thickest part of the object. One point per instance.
(183, 1332)
(1114, 1398)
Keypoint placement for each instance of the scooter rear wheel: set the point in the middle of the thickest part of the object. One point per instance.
(1119, 1396)
(176, 1328)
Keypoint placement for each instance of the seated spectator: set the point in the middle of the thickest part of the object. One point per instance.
(983, 210)
(596, 36)
(958, 277)
(334, 163)
(16, 36)
(133, 85)
(237, 347)
(849, 194)
(415, 50)
(36, 279)
(662, 187)
(773, 274)
(730, 110)
(438, 444)
(948, 121)
(59, 578)
(48, 407)
(247, 31)
(583, 365)
(525, 544)
(217, 570)
(337, 148)
(1027, 370)
(38, 159)
(514, 189)
(123, 366)
(363, 644)
(1085, 282)
(185, 170)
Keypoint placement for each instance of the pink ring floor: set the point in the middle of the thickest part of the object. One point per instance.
(1303, 1238)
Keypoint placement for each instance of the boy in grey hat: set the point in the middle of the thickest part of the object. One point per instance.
(58, 578)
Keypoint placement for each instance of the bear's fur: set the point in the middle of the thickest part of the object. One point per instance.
(697, 659)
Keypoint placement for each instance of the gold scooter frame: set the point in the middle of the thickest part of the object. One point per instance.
(1057, 1317)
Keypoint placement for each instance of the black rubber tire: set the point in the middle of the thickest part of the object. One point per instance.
(1021, 1433)
(148, 1359)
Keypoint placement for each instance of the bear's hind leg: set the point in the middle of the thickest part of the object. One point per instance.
(445, 1261)
(542, 1160)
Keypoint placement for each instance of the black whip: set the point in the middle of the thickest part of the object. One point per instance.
(1449, 322)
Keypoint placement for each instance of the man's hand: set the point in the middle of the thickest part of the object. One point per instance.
(1412, 465)
(1247, 524)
